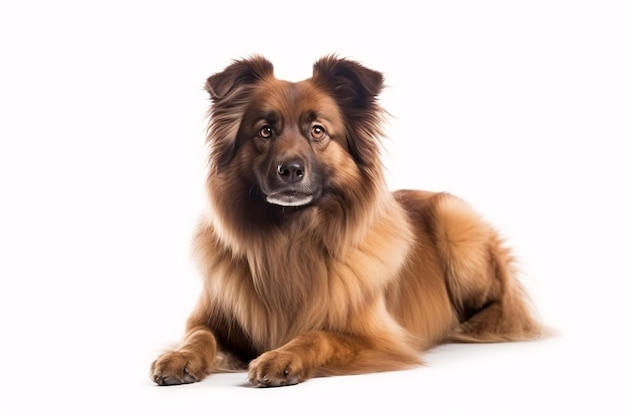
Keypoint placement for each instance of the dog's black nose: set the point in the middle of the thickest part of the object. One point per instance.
(291, 171)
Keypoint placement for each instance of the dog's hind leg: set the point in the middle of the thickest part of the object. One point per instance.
(498, 321)
(490, 303)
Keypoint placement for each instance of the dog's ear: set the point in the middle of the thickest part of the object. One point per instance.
(355, 89)
(350, 83)
(230, 93)
(239, 73)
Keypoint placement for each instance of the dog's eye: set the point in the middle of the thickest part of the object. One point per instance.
(265, 132)
(318, 132)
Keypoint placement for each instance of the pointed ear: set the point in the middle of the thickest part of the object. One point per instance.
(350, 83)
(239, 73)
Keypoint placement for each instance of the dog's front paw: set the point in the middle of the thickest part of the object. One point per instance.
(175, 368)
(276, 369)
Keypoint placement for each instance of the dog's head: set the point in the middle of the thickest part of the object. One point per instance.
(293, 143)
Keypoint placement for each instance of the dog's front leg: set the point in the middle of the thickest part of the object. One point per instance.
(190, 362)
(323, 353)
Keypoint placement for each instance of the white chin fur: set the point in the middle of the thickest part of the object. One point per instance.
(289, 200)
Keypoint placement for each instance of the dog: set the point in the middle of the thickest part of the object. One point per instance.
(311, 266)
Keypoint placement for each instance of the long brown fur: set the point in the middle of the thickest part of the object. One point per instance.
(311, 266)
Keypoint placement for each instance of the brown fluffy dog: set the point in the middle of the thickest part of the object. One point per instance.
(311, 267)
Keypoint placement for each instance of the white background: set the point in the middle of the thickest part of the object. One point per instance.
(518, 107)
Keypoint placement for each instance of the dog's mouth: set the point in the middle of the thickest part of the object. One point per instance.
(290, 198)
